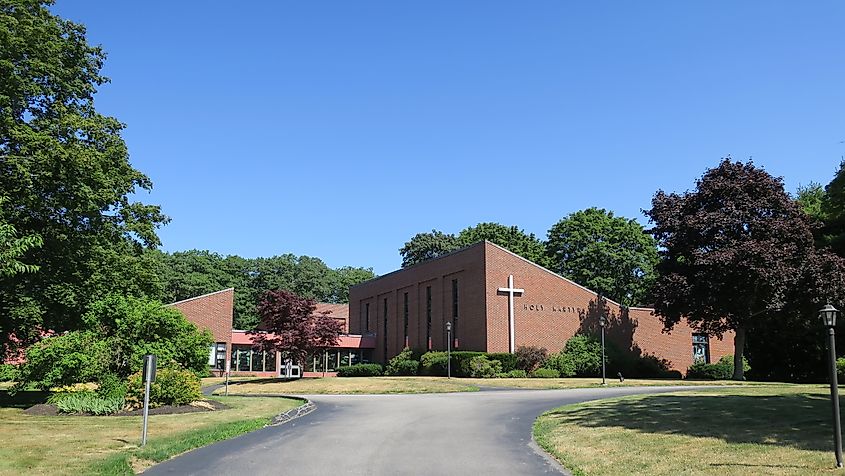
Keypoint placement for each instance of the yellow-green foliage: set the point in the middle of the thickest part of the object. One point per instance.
(171, 387)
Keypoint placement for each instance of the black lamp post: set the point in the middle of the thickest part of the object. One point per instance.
(602, 323)
(448, 350)
(828, 316)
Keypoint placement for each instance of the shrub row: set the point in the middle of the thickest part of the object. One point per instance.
(721, 370)
(359, 370)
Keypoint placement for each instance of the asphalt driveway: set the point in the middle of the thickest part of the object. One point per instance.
(474, 433)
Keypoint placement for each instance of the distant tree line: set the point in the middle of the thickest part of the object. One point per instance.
(191, 273)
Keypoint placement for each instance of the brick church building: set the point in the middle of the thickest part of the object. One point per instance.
(498, 301)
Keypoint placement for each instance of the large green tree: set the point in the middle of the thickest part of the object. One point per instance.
(610, 255)
(511, 238)
(64, 176)
(425, 246)
(734, 252)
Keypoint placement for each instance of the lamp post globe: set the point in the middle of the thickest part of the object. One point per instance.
(828, 315)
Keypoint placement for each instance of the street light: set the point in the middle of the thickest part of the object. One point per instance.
(828, 316)
(602, 323)
(448, 350)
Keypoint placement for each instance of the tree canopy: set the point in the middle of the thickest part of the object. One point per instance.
(191, 273)
(425, 246)
(610, 255)
(293, 327)
(733, 250)
(511, 238)
(65, 177)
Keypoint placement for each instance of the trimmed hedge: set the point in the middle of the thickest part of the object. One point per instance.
(359, 370)
(482, 367)
(508, 360)
(515, 373)
(543, 372)
(721, 370)
(433, 363)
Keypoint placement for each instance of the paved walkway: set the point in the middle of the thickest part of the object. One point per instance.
(473, 433)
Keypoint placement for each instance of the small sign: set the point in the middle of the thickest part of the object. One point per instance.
(149, 371)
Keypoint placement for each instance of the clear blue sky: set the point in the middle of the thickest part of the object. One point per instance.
(339, 129)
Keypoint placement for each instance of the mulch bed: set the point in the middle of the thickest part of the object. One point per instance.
(46, 409)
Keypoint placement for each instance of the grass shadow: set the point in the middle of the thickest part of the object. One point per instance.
(23, 399)
(800, 420)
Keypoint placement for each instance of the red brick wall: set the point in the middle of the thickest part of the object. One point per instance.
(212, 311)
(553, 309)
(466, 266)
(550, 311)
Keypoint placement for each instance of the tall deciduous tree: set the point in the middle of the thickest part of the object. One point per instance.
(510, 238)
(611, 255)
(733, 249)
(64, 176)
(293, 327)
(426, 246)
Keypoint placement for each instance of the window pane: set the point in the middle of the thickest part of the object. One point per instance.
(332, 366)
(243, 359)
(257, 361)
(344, 357)
(270, 361)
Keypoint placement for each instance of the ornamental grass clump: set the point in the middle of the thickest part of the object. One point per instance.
(85, 402)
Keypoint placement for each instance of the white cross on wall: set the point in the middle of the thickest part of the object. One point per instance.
(510, 290)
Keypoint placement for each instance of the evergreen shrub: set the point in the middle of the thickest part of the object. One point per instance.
(359, 370)
(543, 372)
(433, 363)
(585, 354)
(171, 387)
(402, 364)
(721, 370)
(482, 367)
(508, 360)
(515, 373)
(461, 362)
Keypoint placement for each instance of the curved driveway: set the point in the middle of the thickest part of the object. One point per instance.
(487, 432)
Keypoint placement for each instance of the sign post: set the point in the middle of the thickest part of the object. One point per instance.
(148, 376)
(228, 369)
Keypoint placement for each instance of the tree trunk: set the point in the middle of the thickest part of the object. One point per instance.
(739, 348)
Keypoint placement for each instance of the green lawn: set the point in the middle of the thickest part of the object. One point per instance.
(106, 445)
(350, 385)
(754, 430)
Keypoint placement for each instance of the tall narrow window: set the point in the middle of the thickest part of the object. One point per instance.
(428, 316)
(700, 348)
(367, 317)
(455, 313)
(405, 314)
(384, 339)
